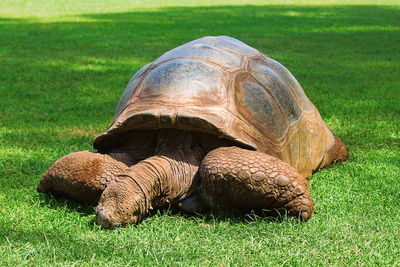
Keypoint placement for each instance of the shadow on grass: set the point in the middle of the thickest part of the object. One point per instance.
(61, 203)
(232, 217)
(66, 205)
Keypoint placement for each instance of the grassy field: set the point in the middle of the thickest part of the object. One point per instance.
(64, 65)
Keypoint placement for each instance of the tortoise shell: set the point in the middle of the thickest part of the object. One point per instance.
(220, 85)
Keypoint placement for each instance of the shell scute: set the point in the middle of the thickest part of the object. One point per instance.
(277, 89)
(290, 81)
(181, 78)
(255, 103)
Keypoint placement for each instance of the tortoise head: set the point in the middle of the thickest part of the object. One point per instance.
(121, 203)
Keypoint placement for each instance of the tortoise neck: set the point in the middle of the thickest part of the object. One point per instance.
(171, 174)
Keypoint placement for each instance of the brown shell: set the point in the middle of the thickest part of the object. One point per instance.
(222, 86)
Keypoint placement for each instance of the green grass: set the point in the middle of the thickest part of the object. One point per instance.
(64, 65)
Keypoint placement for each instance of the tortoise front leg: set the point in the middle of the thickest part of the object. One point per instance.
(235, 178)
(168, 176)
(82, 176)
(152, 183)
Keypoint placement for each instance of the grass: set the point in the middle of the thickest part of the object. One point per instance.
(64, 65)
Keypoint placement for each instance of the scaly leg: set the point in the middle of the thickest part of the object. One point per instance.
(82, 176)
(235, 178)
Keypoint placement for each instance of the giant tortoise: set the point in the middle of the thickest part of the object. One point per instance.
(213, 124)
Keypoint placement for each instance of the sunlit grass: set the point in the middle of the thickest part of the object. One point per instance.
(64, 65)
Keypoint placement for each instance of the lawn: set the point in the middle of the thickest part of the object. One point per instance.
(64, 65)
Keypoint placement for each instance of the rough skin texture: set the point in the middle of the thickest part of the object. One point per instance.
(129, 192)
(81, 176)
(235, 178)
(167, 177)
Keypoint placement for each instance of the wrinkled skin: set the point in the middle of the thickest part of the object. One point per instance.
(182, 169)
